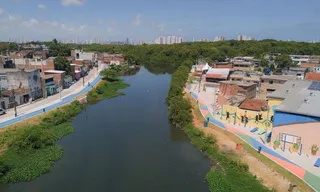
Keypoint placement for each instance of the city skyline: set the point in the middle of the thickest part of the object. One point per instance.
(87, 20)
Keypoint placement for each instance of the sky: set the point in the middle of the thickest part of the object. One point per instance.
(147, 19)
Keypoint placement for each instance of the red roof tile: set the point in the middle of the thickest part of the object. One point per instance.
(216, 76)
(253, 104)
(313, 76)
(307, 65)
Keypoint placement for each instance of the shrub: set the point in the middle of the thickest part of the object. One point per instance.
(3, 168)
(32, 137)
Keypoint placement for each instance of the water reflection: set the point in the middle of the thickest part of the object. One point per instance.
(125, 144)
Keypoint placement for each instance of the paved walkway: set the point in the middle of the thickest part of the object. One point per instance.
(301, 166)
(52, 102)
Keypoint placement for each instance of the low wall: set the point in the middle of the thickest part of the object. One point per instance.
(250, 114)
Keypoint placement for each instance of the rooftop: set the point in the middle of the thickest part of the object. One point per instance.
(8, 70)
(278, 77)
(218, 73)
(54, 71)
(313, 76)
(8, 93)
(253, 104)
(239, 83)
(300, 97)
(297, 69)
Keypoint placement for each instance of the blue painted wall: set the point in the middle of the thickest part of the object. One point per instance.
(281, 118)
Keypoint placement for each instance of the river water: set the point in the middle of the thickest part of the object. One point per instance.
(125, 144)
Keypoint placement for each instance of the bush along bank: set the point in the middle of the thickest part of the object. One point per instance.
(110, 84)
(229, 174)
(29, 151)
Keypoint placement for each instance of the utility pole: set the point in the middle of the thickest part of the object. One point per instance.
(14, 103)
(267, 123)
(60, 88)
(82, 73)
(1, 94)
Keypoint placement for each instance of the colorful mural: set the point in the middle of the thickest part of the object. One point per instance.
(309, 178)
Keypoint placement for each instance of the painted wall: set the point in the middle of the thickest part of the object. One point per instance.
(309, 133)
(281, 118)
(29, 80)
(250, 114)
(273, 103)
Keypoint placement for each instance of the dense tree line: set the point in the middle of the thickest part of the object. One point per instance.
(167, 58)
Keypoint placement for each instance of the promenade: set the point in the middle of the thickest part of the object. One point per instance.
(67, 95)
(299, 165)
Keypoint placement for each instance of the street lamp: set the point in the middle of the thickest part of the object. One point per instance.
(267, 123)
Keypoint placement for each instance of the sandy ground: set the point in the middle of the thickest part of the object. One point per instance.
(227, 145)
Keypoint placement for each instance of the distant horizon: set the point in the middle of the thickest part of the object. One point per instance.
(143, 41)
(147, 20)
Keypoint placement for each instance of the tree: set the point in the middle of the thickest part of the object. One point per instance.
(283, 61)
(58, 49)
(61, 63)
(264, 62)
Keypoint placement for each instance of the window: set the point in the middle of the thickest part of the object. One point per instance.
(262, 81)
(270, 82)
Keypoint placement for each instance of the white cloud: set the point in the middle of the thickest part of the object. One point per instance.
(41, 6)
(31, 23)
(52, 23)
(11, 18)
(109, 29)
(1, 11)
(161, 26)
(137, 19)
(72, 2)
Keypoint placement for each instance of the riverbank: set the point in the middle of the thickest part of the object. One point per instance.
(28, 149)
(228, 173)
(110, 84)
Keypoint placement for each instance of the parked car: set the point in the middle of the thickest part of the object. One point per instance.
(2, 111)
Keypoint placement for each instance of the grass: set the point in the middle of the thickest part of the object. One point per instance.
(229, 174)
(282, 171)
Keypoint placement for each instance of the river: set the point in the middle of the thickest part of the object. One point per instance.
(125, 144)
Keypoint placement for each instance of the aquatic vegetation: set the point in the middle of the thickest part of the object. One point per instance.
(30, 151)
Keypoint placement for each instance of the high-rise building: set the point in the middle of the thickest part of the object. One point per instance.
(240, 38)
(180, 40)
(219, 38)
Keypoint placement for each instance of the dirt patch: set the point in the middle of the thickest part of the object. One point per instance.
(227, 145)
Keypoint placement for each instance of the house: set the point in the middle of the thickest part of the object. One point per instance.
(236, 91)
(245, 63)
(6, 62)
(270, 83)
(48, 86)
(58, 76)
(215, 75)
(79, 54)
(296, 123)
(299, 72)
(19, 95)
(312, 76)
(312, 67)
(27, 79)
(40, 55)
(223, 65)
(112, 58)
(244, 76)
(40, 64)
